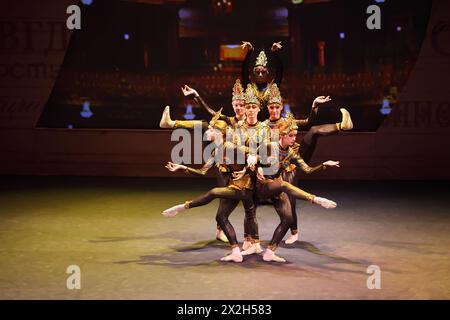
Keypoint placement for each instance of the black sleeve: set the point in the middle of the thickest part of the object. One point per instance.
(199, 100)
(278, 68)
(244, 72)
(308, 121)
(297, 160)
(203, 170)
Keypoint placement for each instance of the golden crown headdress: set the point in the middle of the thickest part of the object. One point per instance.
(287, 124)
(251, 95)
(238, 91)
(216, 123)
(261, 60)
(274, 95)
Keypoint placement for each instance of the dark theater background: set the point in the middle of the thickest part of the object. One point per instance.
(82, 159)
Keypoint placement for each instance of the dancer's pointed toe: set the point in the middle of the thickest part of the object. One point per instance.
(166, 122)
(327, 204)
(346, 123)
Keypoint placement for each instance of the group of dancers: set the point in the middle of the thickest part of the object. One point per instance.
(256, 161)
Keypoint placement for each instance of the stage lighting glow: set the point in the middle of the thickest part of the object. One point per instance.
(184, 13)
(379, 1)
(399, 28)
(126, 36)
(342, 35)
(297, 1)
(70, 126)
(86, 111)
(385, 107)
(281, 13)
(87, 2)
(189, 115)
(286, 110)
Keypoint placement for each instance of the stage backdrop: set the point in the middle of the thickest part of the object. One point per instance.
(412, 144)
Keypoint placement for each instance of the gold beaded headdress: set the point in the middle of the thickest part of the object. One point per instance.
(287, 124)
(238, 91)
(218, 124)
(251, 95)
(261, 60)
(274, 95)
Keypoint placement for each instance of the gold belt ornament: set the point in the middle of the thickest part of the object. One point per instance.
(243, 183)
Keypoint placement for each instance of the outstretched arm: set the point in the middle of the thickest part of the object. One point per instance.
(199, 100)
(307, 121)
(297, 160)
(188, 91)
(307, 169)
(315, 105)
(245, 77)
(201, 172)
(278, 63)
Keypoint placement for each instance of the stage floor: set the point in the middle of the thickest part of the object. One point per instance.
(113, 230)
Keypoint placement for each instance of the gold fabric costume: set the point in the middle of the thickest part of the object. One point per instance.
(190, 124)
(227, 165)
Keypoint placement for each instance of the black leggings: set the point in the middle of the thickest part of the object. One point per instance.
(274, 188)
(309, 140)
(226, 206)
(307, 148)
(282, 206)
(278, 192)
(233, 196)
(292, 178)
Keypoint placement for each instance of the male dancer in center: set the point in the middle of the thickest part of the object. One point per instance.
(309, 141)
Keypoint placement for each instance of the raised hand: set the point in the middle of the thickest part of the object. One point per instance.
(331, 163)
(276, 46)
(238, 174)
(246, 45)
(252, 160)
(187, 91)
(260, 174)
(320, 100)
(174, 166)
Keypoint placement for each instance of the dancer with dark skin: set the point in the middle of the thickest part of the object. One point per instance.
(277, 190)
(260, 70)
(309, 140)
